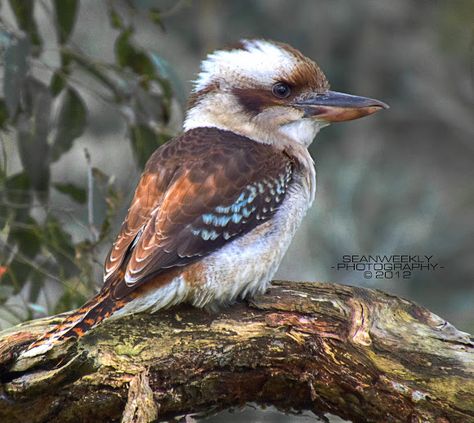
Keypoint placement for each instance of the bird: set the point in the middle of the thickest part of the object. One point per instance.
(217, 206)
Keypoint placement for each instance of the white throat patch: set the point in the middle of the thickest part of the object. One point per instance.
(303, 131)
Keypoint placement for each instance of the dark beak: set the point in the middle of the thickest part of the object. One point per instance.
(332, 106)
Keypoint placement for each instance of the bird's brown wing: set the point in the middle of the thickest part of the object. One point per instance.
(148, 196)
(223, 187)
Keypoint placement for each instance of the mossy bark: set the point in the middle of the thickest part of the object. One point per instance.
(361, 354)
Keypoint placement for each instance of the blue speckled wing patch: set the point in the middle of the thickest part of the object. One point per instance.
(256, 203)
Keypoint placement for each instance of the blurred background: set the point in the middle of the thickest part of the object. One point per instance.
(90, 89)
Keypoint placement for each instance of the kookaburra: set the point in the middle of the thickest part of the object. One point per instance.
(217, 207)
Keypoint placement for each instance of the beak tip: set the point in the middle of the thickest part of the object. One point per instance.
(375, 107)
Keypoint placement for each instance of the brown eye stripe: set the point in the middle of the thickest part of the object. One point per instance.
(254, 100)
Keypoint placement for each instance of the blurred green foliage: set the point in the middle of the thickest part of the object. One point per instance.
(46, 115)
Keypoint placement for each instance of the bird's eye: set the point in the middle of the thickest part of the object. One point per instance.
(281, 90)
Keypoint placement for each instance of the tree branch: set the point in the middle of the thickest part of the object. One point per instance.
(360, 354)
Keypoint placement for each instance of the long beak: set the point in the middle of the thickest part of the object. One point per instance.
(337, 107)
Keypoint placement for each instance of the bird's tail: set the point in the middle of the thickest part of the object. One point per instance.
(85, 318)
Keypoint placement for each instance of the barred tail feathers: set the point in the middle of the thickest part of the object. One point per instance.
(76, 324)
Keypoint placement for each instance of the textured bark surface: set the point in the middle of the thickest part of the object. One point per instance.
(361, 354)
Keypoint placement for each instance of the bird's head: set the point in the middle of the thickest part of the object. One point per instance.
(268, 91)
